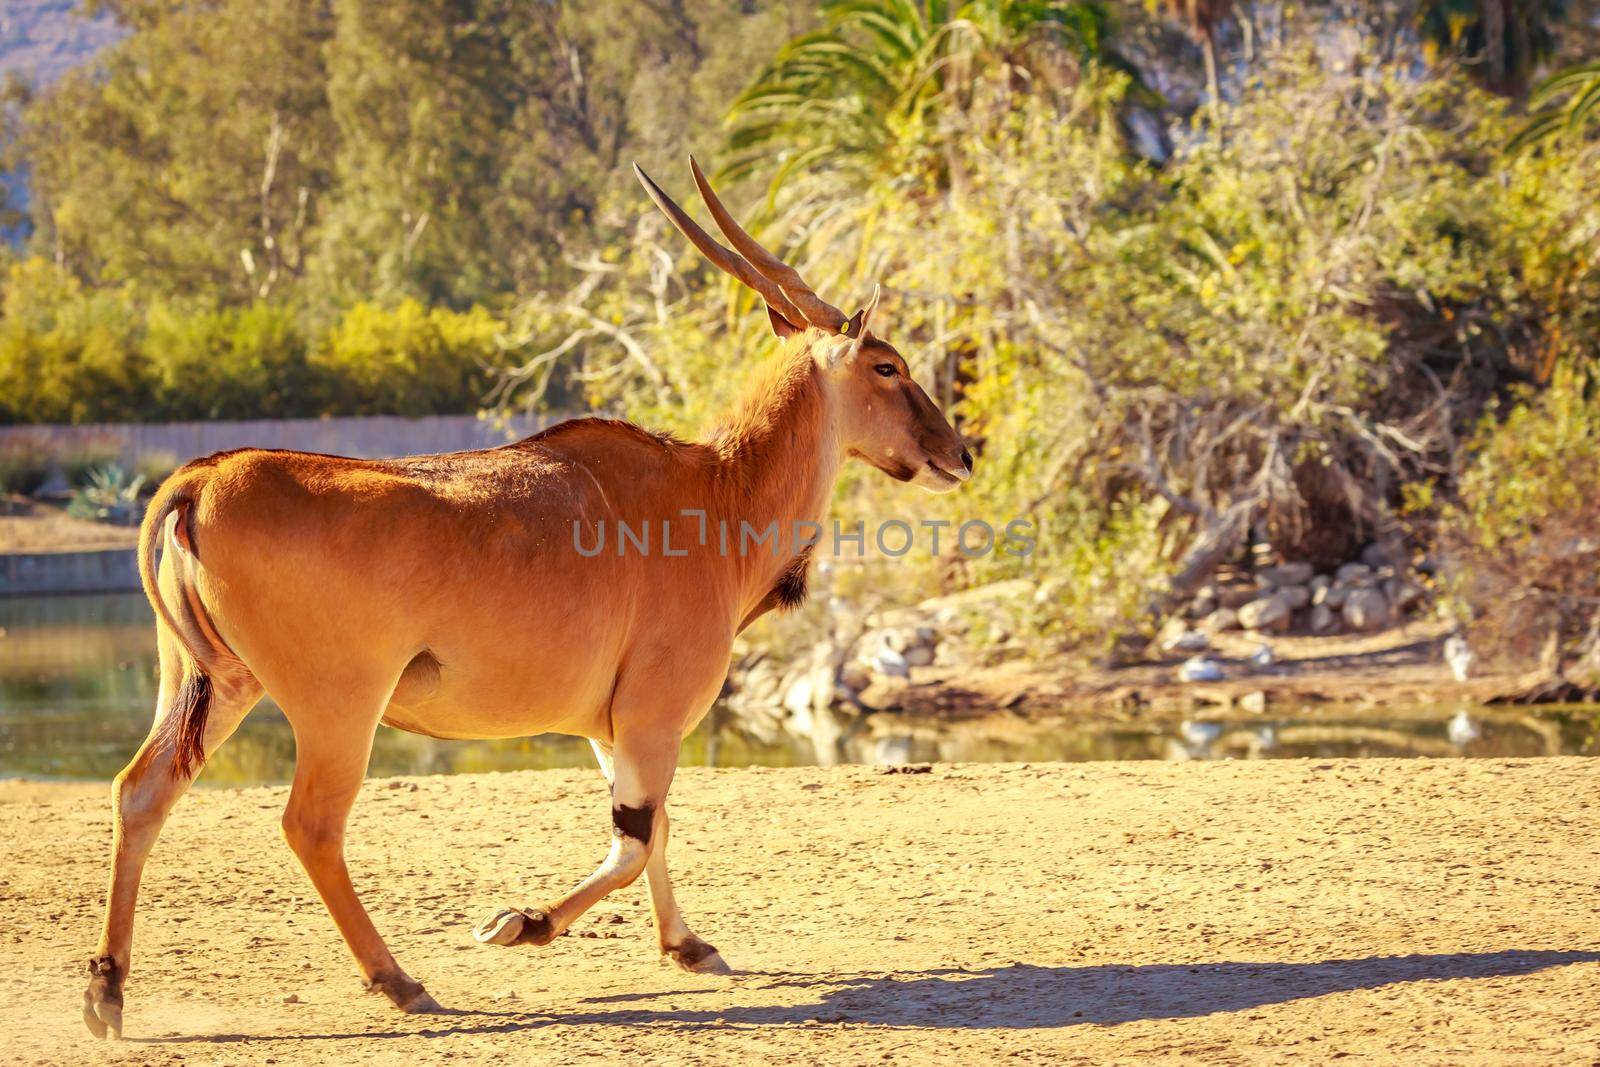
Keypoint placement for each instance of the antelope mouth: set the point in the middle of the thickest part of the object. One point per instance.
(949, 477)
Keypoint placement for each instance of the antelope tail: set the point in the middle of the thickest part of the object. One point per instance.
(183, 726)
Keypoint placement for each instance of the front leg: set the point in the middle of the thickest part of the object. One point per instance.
(678, 943)
(645, 758)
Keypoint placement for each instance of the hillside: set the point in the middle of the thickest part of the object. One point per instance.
(40, 40)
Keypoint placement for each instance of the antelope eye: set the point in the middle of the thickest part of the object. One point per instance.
(885, 369)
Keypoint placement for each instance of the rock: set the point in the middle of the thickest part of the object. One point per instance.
(1285, 574)
(1188, 641)
(798, 697)
(1323, 620)
(1377, 555)
(1220, 620)
(1255, 703)
(292, 998)
(1353, 572)
(1176, 636)
(919, 655)
(1318, 583)
(1204, 603)
(1296, 596)
(1366, 609)
(1199, 669)
(855, 677)
(1265, 613)
(1402, 593)
(1237, 595)
(1334, 596)
(883, 694)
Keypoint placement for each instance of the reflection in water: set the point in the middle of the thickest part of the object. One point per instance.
(78, 683)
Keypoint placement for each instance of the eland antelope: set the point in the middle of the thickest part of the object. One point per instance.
(444, 595)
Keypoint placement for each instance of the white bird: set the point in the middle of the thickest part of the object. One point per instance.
(1458, 654)
(1462, 730)
(1199, 669)
(1262, 656)
(889, 662)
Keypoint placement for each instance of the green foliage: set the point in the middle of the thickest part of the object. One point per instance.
(867, 95)
(1580, 86)
(67, 353)
(1276, 333)
(234, 363)
(409, 360)
(73, 355)
(1284, 332)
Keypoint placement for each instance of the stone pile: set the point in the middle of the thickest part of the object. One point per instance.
(1357, 597)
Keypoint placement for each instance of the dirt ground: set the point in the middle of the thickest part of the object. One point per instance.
(1439, 911)
(42, 528)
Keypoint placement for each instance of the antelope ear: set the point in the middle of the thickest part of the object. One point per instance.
(857, 326)
(781, 326)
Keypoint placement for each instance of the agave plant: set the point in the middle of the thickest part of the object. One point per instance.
(1580, 86)
(111, 495)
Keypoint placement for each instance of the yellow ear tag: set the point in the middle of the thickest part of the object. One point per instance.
(844, 327)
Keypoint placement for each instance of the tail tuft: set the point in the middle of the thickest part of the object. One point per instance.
(185, 723)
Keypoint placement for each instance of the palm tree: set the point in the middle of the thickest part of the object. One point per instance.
(1504, 40)
(863, 95)
(1581, 87)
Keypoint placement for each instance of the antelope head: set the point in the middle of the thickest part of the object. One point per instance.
(886, 418)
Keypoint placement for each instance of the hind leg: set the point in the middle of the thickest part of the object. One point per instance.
(141, 797)
(331, 756)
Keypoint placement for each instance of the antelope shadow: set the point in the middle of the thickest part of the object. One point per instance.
(1016, 997)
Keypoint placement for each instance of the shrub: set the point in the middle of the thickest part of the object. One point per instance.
(26, 461)
(1523, 541)
(66, 354)
(234, 363)
(409, 359)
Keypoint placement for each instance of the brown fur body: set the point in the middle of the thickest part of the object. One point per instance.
(467, 571)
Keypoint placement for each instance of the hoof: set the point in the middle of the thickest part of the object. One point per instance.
(696, 957)
(515, 926)
(102, 1001)
(406, 994)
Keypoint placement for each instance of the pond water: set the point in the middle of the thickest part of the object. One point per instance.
(78, 682)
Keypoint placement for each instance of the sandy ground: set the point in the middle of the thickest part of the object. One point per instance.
(1439, 911)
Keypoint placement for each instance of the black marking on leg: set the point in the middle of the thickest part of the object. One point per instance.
(634, 822)
(104, 994)
(692, 951)
(537, 929)
(105, 980)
